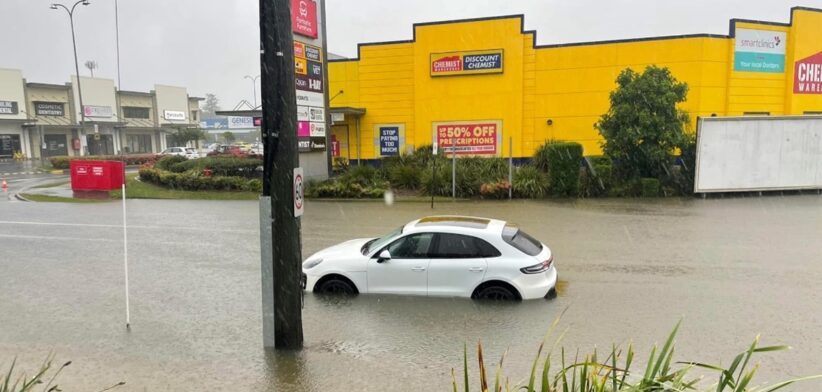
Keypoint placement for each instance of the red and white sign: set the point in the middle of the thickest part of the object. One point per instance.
(335, 146)
(467, 138)
(299, 196)
(304, 17)
(807, 76)
(446, 64)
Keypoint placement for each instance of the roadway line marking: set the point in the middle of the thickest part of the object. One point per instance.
(130, 226)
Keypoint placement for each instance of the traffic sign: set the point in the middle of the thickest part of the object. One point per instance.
(299, 196)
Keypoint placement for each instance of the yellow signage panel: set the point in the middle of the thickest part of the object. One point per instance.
(466, 63)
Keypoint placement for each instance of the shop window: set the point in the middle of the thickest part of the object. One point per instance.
(138, 143)
(193, 116)
(135, 112)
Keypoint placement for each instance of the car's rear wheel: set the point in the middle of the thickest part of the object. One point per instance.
(335, 285)
(495, 293)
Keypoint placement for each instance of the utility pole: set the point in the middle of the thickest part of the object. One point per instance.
(70, 12)
(280, 158)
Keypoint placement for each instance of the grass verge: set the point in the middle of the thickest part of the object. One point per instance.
(51, 184)
(141, 190)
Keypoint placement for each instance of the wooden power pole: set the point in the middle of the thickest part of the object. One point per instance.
(279, 133)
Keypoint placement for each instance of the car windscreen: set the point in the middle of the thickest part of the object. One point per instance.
(382, 241)
(521, 240)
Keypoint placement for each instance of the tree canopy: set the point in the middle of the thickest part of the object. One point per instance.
(644, 127)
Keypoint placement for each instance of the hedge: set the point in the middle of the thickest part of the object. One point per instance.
(221, 166)
(62, 162)
(563, 167)
(194, 182)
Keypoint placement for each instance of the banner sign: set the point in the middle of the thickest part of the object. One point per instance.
(214, 123)
(101, 111)
(335, 146)
(807, 76)
(467, 137)
(310, 75)
(235, 122)
(8, 107)
(389, 141)
(306, 83)
(258, 121)
(466, 63)
(759, 51)
(304, 17)
(49, 109)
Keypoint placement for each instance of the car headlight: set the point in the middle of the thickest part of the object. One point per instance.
(309, 264)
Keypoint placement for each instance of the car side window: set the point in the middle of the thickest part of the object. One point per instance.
(458, 246)
(414, 246)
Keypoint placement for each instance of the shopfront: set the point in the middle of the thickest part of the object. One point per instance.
(12, 114)
(471, 86)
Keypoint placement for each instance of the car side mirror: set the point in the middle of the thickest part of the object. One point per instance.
(385, 255)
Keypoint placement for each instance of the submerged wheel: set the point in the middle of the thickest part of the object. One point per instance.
(495, 293)
(335, 285)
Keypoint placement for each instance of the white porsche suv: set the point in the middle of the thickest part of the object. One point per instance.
(446, 256)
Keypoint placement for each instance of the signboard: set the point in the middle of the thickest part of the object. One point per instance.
(337, 117)
(258, 121)
(306, 83)
(97, 111)
(468, 137)
(759, 51)
(214, 123)
(8, 107)
(309, 75)
(466, 63)
(299, 195)
(389, 140)
(307, 98)
(235, 122)
(173, 115)
(335, 146)
(304, 17)
(807, 76)
(49, 109)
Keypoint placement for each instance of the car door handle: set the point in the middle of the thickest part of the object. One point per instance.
(476, 269)
(417, 268)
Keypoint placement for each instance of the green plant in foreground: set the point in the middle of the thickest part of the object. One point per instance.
(613, 373)
(10, 382)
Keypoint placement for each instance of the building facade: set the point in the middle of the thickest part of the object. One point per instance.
(39, 120)
(478, 83)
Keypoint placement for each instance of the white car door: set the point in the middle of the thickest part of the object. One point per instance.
(406, 272)
(457, 264)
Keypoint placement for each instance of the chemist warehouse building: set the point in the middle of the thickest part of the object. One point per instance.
(476, 83)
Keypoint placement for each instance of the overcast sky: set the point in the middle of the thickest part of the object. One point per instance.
(209, 45)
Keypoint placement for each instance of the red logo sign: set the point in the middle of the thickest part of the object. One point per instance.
(446, 64)
(304, 17)
(468, 138)
(299, 49)
(335, 146)
(807, 75)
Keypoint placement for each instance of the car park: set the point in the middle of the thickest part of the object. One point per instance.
(443, 256)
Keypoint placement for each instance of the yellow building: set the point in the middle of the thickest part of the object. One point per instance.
(486, 80)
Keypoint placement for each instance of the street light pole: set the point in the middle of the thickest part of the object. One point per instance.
(253, 86)
(76, 62)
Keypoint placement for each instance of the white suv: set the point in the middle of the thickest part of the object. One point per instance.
(447, 256)
(188, 152)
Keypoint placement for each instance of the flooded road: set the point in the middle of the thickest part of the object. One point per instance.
(629, 270)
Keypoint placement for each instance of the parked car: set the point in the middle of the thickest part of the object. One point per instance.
(224, 150)
(448, 256)
(187, 152)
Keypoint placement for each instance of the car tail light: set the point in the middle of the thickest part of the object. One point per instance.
(537, 268)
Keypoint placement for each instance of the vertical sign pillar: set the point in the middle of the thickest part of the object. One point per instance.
(279, 130)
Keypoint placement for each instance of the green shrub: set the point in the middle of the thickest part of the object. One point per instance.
(62, 162)
(596, 182)
(405, 176)
(167, 161)
(439, 184)
(221, 166)
(529, 183)
(563, 167)
(650, 187)
(540, 159)
(191, 181)
(335, 188)
(625, 188)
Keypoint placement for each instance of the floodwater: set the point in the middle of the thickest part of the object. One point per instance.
(630, 269)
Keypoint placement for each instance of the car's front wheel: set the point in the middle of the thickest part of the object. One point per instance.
(335, 285)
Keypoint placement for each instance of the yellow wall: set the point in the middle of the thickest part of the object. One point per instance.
(568, 84)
